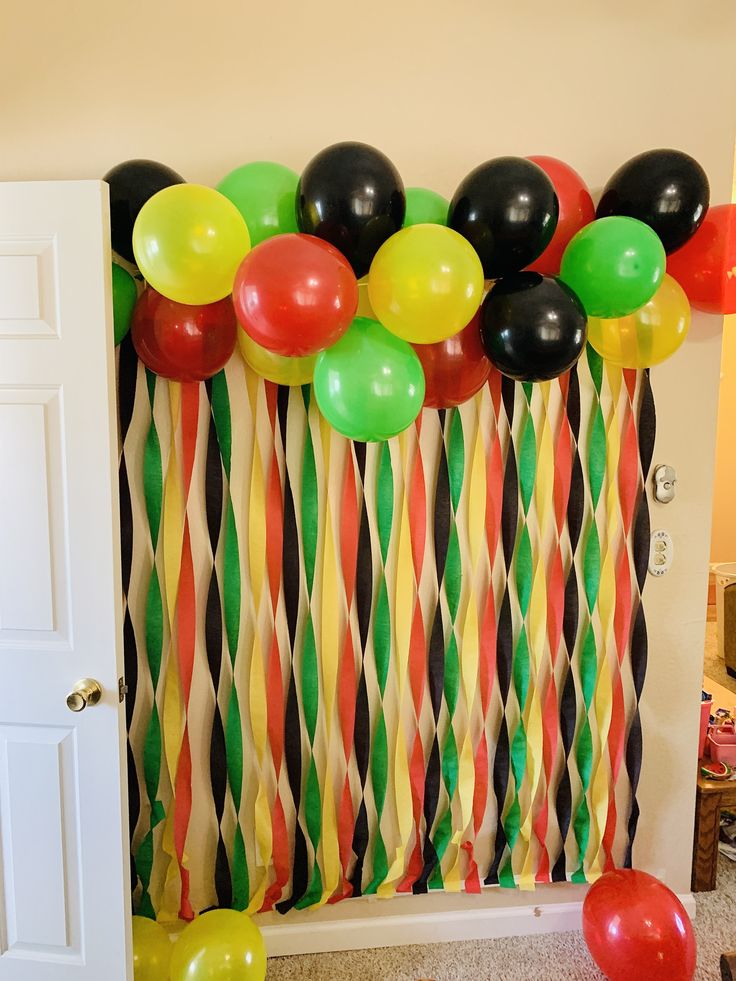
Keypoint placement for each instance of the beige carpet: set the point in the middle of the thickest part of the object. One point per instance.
(554, 957)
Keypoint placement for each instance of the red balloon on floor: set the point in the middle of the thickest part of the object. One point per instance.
(576, 211)
(295, 295)
(705, 266)
(635, 927)
(454, 369)
(182, 342)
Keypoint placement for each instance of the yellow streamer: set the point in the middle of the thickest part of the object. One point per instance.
(329, 659)
(537, 620)
(603, 699)
(405, 596)
(470, 647)
(173, 708)
(257, 685)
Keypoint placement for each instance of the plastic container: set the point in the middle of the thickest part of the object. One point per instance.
(725, 573)
(705, 708)
(722, 746)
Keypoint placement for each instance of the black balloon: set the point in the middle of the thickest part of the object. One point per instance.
(507, 209)
(533, 327)
(352, 196)
(132, 183)
(666, 189)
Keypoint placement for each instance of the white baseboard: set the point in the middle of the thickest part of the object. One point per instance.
(353, 926)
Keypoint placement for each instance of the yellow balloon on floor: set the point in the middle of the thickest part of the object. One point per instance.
(425, 283)
(275, 367)
(222, 945)
(188, 241)
(648, 336)
(151, 950)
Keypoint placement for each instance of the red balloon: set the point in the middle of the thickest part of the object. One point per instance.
(635, 927)
(454, 369)
(705, 266)
(182, 342)
(295, 295)
(576, 211)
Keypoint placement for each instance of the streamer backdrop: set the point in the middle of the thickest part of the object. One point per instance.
(368, 669)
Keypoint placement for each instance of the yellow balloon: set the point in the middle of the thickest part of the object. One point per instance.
(425, 283)
(151, 950)
(275, 367)
(188, 241)
(648, 336)
(222, 945)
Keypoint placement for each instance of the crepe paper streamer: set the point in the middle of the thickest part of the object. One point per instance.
(608, 666)
(404, 587)
(186, 616)
(154, 632)
(257, 691)
(214, 641)
(274, 681)
(521, 663)
(382, 647)
(628, 481)
(292, 576)
(639, 643)
(231, 594)
(505, 640)
(436, 659)
(584, 749)
(487, 638)
(362, 742)
(470, 661)
(309, 665)
(417, 513)
(127, 381)
(348, 684)
(518, 478)
(329, 654)
(570, 620)
(539, 754)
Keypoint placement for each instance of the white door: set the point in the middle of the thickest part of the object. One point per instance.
(64, 870)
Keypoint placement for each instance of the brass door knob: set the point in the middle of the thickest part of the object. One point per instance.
(85, 692)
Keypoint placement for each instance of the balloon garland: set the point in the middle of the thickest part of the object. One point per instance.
(286, 250)
(269, 263)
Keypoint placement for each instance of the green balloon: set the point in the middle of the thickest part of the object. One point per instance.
(124, 295)
(615, 266)
(370, 384)
(265, 195)
(425, 207)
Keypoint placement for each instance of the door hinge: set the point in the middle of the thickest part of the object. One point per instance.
(122, 689)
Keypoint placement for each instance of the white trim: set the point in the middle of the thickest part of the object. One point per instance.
(300, 933)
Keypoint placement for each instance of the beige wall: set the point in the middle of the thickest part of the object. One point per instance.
(440, 86)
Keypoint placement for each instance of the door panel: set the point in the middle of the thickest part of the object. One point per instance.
(64, 868)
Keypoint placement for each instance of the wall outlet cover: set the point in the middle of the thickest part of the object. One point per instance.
(661, 552)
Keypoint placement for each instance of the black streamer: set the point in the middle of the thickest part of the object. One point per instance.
(362, 723)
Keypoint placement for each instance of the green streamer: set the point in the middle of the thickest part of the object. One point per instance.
(596, 464)
(231, 602)
(521, 664)
(453, 591)
(310, 670)
(153, 488)
(382, 655)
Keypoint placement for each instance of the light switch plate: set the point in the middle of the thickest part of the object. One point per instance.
(660, 553)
